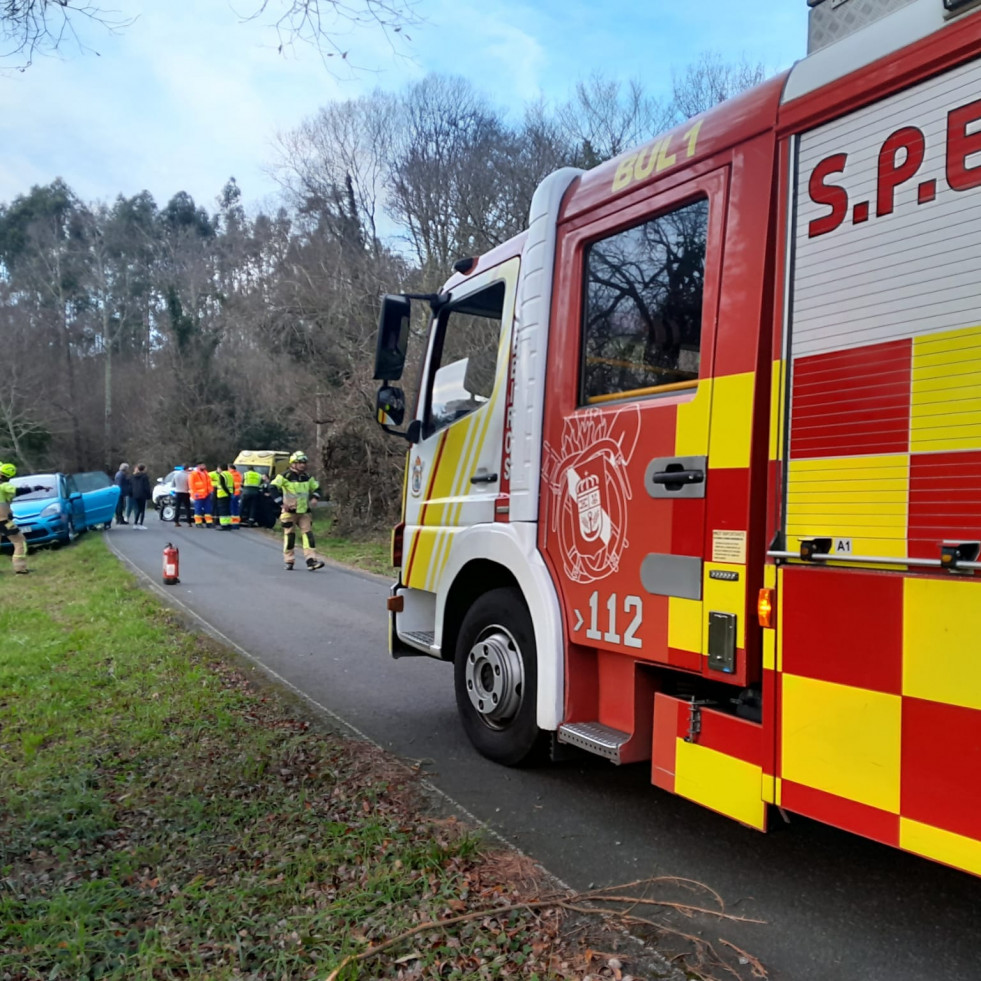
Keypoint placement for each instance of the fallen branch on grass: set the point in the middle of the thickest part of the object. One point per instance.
(573, 902)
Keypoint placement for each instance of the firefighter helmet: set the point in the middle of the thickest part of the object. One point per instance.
(8, 470)
(298, 457)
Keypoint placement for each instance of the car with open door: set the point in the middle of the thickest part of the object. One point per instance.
(99, 495)
(57, 507)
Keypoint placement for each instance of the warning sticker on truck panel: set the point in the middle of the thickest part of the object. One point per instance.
(729, 546)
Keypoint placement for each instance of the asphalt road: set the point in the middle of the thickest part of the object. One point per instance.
(836, 907)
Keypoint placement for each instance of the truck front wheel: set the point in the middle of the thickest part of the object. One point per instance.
(496, 677)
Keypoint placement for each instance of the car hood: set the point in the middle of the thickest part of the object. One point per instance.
(30, 509)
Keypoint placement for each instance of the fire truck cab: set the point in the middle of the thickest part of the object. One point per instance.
(694, 473)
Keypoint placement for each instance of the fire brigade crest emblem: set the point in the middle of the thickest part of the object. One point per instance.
(415, 481)
(587, 478)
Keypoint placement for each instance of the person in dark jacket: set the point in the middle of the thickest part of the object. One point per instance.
(139, 494)
(124, 483)
(270, 503)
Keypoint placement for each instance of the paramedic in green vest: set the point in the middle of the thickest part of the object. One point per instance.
(251, 484)
(224, 487)
(8, 527)
(300, 492)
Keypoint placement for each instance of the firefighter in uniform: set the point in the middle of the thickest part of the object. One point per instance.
(300, 491)
(8, 527)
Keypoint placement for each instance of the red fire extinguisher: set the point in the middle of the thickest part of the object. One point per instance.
(171, 565)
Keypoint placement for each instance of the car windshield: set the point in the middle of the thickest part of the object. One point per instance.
(92, 480)
(170, 478)
(47, 482)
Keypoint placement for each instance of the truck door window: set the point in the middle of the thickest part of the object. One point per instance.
(642, 309)
(467, 363)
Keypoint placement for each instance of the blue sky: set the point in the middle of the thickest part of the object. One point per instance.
(187, 95)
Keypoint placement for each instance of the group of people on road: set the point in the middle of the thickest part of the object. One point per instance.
(222, 498)
(134, 492)
(226, 498)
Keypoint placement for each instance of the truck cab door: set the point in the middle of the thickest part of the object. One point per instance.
(454, 471)
(626, 479)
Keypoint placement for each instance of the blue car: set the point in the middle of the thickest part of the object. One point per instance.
(59, 506)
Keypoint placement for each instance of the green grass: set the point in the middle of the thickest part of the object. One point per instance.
(162, 818)
(373, 555)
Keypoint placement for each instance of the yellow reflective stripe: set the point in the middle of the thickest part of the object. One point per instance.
(476, 446)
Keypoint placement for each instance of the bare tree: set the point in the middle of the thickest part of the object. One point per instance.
(31, 27)
(604, 117)
(536, 149)
(444, 178)
(709, 81)
(24, 383)
(41, 250)
(320, 23)
(334, 167)
(28, 27)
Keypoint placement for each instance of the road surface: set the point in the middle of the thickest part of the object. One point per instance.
(836, 907)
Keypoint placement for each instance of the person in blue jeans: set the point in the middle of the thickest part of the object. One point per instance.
(124, 483)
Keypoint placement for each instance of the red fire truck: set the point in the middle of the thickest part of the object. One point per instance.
(694, 474)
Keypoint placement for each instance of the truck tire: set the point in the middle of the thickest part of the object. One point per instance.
(496, 678)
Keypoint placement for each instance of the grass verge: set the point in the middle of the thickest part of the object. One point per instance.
(162, 818)
(372, 554)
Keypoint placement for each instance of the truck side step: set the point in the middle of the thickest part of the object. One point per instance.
(421, 639)
(594, 737)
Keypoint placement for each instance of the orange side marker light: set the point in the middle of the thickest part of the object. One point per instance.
(765, 609)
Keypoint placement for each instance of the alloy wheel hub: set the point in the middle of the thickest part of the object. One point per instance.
(495, 676)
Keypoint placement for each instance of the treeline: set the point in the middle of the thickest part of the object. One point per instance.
(176, 334)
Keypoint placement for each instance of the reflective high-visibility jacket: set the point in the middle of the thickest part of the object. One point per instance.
(199, 482)
(252, 478)
(298, 489)
(222, 482)
(237, 479)
(7, 493)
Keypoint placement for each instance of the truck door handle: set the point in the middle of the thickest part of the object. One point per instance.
(678, 477)
(484, 478)
(673, 477)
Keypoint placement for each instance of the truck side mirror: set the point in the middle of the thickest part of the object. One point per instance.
(390, 406)
(390, 411)
(393, 337)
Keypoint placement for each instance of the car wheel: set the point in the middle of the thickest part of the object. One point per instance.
(496, 677)
(168, 511)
